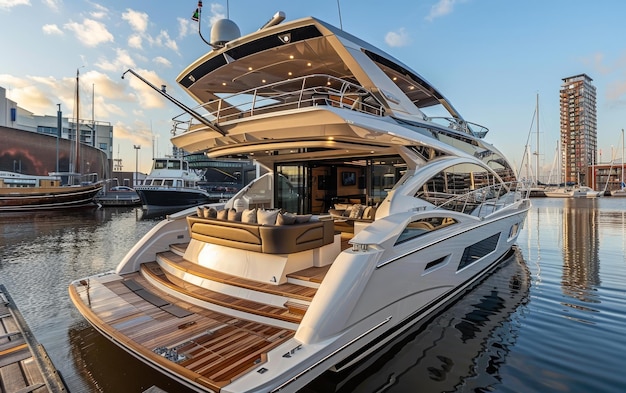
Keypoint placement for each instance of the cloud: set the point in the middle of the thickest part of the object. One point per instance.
(143, 93)
(138, 133)
(52, 4)
(120, 63)
(162, 61)
(441, 8)
(135, 41)
(51, 30)
(164, 40)
(138, 21)
(101, 12)
(8, 4)
(90, 33)
(217, 13)
(184, 27)
(397, 38)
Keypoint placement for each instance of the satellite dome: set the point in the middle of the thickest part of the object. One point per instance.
(223, 31)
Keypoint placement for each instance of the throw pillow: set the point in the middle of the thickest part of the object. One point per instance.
(222, 214)
(234, 215)
(210, 212)
(356, 212)
(266, 217)
(249, 216)
(285, 219)
(367, 213)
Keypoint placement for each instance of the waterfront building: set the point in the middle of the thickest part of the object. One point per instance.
(578, 128)
(95, 149)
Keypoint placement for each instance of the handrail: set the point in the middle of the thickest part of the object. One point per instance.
(483, 201)
(315, 89)
(461, 125)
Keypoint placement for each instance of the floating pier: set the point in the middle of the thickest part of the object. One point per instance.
(24, 363)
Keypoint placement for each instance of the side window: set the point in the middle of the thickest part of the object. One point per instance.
(423, 226)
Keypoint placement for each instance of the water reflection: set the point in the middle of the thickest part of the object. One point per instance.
(581, 263)
(461, 348)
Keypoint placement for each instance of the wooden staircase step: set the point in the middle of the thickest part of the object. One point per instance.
(296, 308)
(179, 248)
(154, 271)
(312, 274)
(289, 290)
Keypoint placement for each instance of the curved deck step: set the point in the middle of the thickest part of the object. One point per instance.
(179, 248)
(154, 271)
(289, 290)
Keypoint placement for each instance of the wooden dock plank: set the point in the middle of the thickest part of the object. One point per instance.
(24, 365)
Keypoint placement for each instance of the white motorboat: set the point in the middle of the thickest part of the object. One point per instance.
(371, 216)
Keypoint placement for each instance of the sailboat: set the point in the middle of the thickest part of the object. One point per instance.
(532, 183)
(59, 190)
(622, 191)
(565, 191)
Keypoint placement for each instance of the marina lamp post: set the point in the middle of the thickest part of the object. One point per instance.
(136, 147)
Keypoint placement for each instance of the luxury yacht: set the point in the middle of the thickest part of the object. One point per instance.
(370, 215)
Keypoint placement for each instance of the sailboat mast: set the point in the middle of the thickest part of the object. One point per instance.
(622, 183)
(537, 152)
(77, 127)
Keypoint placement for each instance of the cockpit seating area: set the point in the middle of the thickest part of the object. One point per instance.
(288, 235)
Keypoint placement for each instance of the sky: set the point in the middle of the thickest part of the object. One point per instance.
(493, 59)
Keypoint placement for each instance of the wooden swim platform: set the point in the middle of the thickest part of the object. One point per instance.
(24, 363)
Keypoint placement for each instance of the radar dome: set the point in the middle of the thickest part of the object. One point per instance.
(223, 31)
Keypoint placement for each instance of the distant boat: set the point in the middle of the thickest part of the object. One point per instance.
(171, 186)
(622, 191)
(573, 192)
(20, 192)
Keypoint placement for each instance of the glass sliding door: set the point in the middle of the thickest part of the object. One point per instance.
(292, 188)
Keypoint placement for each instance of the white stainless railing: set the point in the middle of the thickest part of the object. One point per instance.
(483, 201)
(461, 125)
(310, 90)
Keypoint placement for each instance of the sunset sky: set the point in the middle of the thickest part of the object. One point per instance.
(490, 58)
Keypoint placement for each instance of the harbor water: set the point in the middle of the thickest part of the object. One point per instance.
(551, 319)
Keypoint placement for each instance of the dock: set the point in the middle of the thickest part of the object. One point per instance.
(118, 198)
(24, 363)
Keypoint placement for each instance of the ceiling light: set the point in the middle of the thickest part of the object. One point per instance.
(291, 57)
(308, 64)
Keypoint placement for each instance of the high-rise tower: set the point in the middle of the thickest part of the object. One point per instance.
(578, 128)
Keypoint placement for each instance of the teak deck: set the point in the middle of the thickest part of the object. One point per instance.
(24, 364)
(205, 346)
